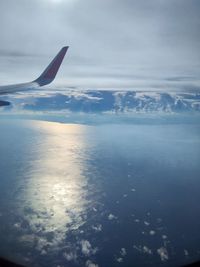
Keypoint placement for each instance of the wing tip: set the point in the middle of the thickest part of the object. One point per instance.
(50, 72)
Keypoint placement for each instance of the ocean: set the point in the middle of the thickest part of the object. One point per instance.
(104, 194)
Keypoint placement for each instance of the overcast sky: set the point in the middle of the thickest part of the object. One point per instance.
(113, 43)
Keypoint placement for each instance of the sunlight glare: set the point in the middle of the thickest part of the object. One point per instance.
(57, 189)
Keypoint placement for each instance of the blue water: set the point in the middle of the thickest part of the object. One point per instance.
(107, 195)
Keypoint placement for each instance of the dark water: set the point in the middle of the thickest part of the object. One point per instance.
(107, 195)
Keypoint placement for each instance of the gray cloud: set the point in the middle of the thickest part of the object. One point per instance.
(155, 39)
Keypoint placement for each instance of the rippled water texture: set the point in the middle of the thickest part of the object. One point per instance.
(110, 195)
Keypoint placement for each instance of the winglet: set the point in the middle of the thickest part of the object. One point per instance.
(50, 72)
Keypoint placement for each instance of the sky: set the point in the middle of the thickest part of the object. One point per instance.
(113, 43)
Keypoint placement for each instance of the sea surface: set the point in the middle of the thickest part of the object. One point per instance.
(120, 194)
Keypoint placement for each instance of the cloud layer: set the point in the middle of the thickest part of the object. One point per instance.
(111, 42)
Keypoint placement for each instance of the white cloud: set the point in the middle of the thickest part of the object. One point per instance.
(17, 225)
(119, 259)
(70, 256)
(89, 263)
(112, 217)
(97, 228)
(143, 249)
(138, 248)
(123, 252)
(27, 238)
(147, 250)
(43, 252)
(162, 251)
(86, 248)
(186, 252)
(152, 232)
(41, 243)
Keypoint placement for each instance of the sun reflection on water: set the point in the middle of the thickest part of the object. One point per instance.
(55, 196)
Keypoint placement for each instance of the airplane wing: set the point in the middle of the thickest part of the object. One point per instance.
(45, 78)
